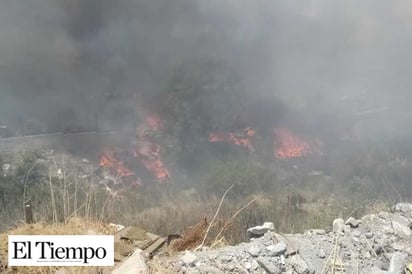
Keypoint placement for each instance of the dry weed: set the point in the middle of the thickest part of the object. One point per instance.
(192, 237)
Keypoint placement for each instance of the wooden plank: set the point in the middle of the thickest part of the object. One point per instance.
(121, 233)
(154, 247)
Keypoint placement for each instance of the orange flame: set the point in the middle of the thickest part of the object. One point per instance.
(288, 145)
(240, 139)
(217, 137)
(109, 160)
(147, 151)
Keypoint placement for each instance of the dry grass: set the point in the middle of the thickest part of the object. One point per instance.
(74, 226)
(192, 237)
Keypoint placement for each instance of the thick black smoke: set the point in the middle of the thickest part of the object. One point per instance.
(65, 59)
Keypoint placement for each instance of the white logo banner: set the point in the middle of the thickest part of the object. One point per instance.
(61, 250)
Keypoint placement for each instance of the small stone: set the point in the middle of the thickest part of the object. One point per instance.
(254, 251)
(189, 258)
(259, 230)
(277, 249)
(301, 266)
(368, 235)
(282, 260)
(230, 267)
(318, 231)
(226, 258)
(398, 263)
(352, 222)
(248, 265)
(268, 265)
(322, 254)
(338, 225)
(398, 247)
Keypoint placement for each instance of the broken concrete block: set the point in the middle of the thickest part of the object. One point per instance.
(338, 225)
(188, 259)
(259, 230)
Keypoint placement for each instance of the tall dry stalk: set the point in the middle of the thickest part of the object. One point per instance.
(218, 236)
(53, 202)
(215, 216)
(25, 188)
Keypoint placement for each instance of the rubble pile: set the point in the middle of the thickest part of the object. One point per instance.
(376, 243)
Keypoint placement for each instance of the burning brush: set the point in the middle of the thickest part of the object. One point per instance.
(243, 139)
(287, 145)
(144, 149)
(109, 160)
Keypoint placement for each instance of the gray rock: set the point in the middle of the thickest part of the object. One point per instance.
(318, 231)
(301, 266)
(226, 258)
(259, 230)
(269, 266)
(267, 239)
(368, 218)
(338, 225)
(388, 256)
(398, 247)
(401, 230)
(277, 249)
(131, 264)
(356, 233)
(398, 263)
(377, 270)
(352, 222)
(255, 265)
(403, 207)
(254, 251)
(188, 259)
(207, 269)
(269, 225)
(385, 215)
(322, 254)
(382, 265)
(408, 250)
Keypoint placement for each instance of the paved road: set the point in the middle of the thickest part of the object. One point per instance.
(67, 141)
